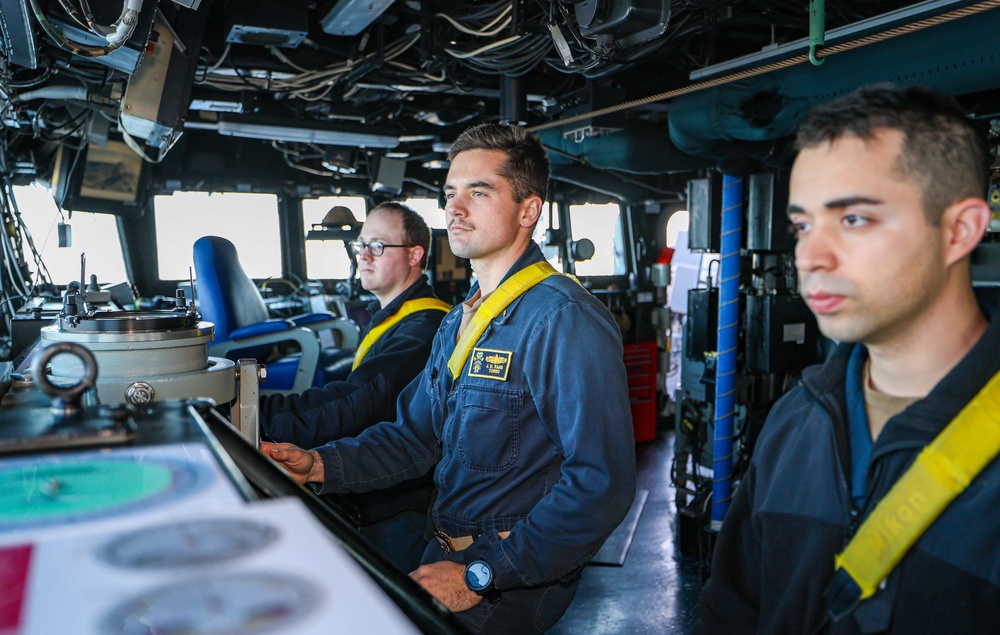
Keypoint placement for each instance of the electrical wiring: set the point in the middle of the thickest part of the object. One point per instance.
(273, 50)
(78, 152)
(514, 60)
(74, 125)
(13, 283)
(44, 76)
(12, 256)
(134, 145)
(458, 47)
(287, 154)
(460, 76)
(277, 145)
(486, 31)
(73, 14)
(472, 13)
(319, 97)
(222, 58)
(304, 85)
(69, 133)
(513, 55)
(308, 170)
(558, 65)
(488, 47)
(578, 52)
(116, 35)
(570, 25)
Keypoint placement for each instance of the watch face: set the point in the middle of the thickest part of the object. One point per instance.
(478, 575)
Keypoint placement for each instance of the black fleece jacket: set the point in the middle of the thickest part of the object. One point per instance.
(368, 396)
(792, 514)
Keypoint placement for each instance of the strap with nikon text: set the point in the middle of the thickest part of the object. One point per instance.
(492, 306)
(942, 471)
(409, 307)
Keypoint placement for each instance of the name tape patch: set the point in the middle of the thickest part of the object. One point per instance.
(490, 364)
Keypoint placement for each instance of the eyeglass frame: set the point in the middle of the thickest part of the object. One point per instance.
(357, 246)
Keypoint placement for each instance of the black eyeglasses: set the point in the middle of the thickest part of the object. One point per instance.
(375, 247)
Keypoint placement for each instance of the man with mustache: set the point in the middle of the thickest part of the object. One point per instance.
(886, 197)
(392, 255)
(522, 411)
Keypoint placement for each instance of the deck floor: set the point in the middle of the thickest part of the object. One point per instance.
(656, 591)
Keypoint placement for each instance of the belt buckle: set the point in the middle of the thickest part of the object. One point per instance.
(445, 541)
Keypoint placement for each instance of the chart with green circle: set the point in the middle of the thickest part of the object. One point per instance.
(57, 489)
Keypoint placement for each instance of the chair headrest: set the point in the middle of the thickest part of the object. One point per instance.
(227, 296)
(340, 217)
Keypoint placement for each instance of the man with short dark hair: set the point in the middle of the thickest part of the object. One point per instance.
(886, 196)
(392, 253)
(522, 412)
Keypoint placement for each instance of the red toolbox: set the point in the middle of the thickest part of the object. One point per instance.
(640, 365)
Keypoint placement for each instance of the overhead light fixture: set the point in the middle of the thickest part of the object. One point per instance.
(216, 105)
(339, 160)
(274, 132)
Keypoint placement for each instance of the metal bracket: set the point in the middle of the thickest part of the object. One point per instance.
(247, 410)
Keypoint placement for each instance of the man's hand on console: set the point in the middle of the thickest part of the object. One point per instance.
(445, 580)
(304, 466)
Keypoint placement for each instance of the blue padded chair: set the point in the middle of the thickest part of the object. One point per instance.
(229, 299)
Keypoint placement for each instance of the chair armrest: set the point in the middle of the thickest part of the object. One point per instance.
(307, 340)
(348, 335)
(260, 328)
(310, 318)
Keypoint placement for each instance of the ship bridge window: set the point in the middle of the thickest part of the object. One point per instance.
(95, 235)
(328, 259)
(429, 209)
(602, 225)
(549, 216)
(248, 220)
(678, 222)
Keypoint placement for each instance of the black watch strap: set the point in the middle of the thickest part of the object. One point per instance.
(479, 580)
(492, 594)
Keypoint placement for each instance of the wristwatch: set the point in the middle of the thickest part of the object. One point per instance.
(479, 579)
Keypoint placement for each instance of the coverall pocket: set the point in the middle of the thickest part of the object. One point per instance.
(488, 434)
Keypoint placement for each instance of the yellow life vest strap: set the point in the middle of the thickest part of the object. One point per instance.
(939, 474)
(409, 307)
(500, 299)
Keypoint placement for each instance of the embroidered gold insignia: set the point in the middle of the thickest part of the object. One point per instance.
(490, 364)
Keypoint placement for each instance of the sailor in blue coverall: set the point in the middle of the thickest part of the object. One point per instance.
(528, 428)
(393, 351)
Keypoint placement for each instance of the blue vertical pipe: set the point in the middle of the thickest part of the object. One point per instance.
(725, 371)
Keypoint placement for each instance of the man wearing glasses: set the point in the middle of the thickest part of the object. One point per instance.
(392, 254)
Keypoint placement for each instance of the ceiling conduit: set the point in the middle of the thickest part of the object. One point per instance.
(731, 121)
(638, 149)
